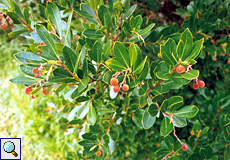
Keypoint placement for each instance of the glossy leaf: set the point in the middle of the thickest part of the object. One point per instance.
(104, 15)
(153, 110)
(174, 103)
(24, 80)
(140, 67)
(147, 120)
(130, 11)
(192, 74)
(93, 34)
(137, 117)
(197, 46)
(92, 115)
(96, 52)
(55, 17)
(166, 127)
(114, 65)
(70, 58)
(186, 112)
(147, 29)
(132, 54)
(16, 33)
(121, 54)
(107, 50)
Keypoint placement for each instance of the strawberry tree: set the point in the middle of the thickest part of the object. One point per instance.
(111, 89)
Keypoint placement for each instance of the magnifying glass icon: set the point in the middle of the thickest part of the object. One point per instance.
(9, 147)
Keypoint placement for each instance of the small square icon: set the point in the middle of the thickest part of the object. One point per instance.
(10, 148)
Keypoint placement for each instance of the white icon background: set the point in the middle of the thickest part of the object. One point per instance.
(5, 155)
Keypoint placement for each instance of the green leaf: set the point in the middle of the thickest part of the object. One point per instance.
(27, 70)
(60, 88)
(137, 117)
(147, 29)
(24, 80)
(96, 52)
(114, 134)
(84, 14)
(107, 50)
(16, 33)
(60, 79)
(166, 127)
(147, 120)
(79, 59)
(92, 115)
(197, 46)
(121, 54)
(83, 110)
(186, 112)
(132, 54)
(135, 23)
(93, 34)
(87, 143)
(192, 74)
(168, 52)
(163, 75)
(114, 65)
(55, 17)
(174, 103)
(83, 84)
(28, 57)
(140, 67)
(178, 79)
(42, 10)
(130, 11)
(68, 27)
(144, 72)
(104, 15)
(184, 48)
(153, 110)
(17, 9)
(26, 15)
(48, 40)
(70, 58)
(143, 89)
(94, 3)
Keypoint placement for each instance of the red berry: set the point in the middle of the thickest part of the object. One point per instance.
(184, 147)
(2, 26)
(98, 153)
(27, 90)
(180, 69)
(44, 91)
(229, 54)
(195, 86)
(116, 89)
(229, 61)
(42, 43)
(32, 96)
(66, 130)
(55, 111)
(201, 84)
(214, 59)
(125, 87)
(79, 131)
(35, 71)
(114, 81)
(47, 110)
(213, 41)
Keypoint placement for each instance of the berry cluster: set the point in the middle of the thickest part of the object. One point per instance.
(198, 83)
(4, 20)
(37, 71)
(39, 51)
(116, 88)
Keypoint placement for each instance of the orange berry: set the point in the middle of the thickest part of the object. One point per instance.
(47, 110)
(44, 91)
(184, 147)
(114, 81)
(116, 89)
(27, 90)
(42, 43)
(125, 87)
(35, 71)
(229, 54)
(214, 59)
(66, 130)
(195, 86)
(98, 153)
(201, 84)
(180, 69)
(213, 41)
(229, 61)
(192, 132)
(55, 111)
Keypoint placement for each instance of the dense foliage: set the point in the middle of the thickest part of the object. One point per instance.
(127, 89)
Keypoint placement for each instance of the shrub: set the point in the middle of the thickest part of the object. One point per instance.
(154, 67)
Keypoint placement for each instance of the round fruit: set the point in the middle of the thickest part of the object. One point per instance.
(201, 84)
(42, 43)
(27, 90)
(47, 110)
(229, 61)
(44, 91)
(195, 86)
(66, 130)
(98, 153)
(35, 71)
(213, 41)
(32, 96)
(180, 69)
(125, 87)
(114, 81)
(184, 147)
(116, 89)
(214, 59)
